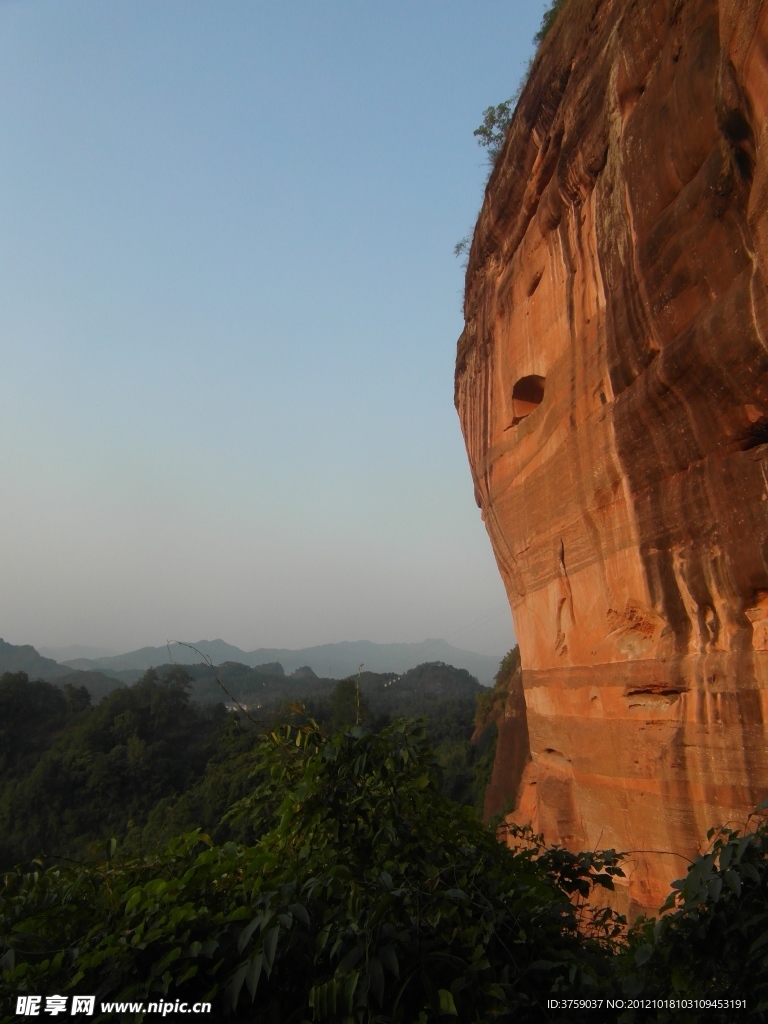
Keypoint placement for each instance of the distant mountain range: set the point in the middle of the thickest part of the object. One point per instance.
(62, 654)
(24, 658)
(328, 660)
(334, 661)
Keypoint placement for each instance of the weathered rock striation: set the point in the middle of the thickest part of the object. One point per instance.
(612, 387)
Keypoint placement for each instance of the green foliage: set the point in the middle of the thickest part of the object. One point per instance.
(509, 666)
(348, 889)
(496, 120)
(463, 246)
(30, 716)
(420, 690)
(348, 705)
(482, 767)
(576, 874)
(73, 774)
(492, 133)
(148, 762)
(206, 801)
(490, 708)
(713, 944)
(444, 697)
(463, 765)
(494, 699)
(367, 897)
(549, 19)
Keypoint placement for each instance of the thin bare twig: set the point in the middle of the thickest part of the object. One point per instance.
(357, 693)
(210, 665)
(665, 853)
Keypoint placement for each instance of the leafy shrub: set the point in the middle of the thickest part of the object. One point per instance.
(492, 133)
(348, 705)
(73, 772)
(496, 120)
(367, 898)
(713, 945)
(30, 716)
(493, 699)
(549, 19)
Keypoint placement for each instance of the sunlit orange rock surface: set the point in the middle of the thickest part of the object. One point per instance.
(612, 387)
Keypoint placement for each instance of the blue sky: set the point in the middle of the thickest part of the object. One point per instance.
(228, 314)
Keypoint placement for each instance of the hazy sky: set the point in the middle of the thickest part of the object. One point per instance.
(229, 308)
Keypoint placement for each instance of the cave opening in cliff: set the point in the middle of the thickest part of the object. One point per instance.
(527, 395)
(756, 435)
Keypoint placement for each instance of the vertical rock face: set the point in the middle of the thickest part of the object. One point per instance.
(612, 387)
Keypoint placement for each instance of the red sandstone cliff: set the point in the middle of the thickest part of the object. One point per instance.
(612, 387)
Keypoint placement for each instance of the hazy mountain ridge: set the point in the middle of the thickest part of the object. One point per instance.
(386, 692)
(24, 658)
(71, 652)
(330, 661)
(259, 676)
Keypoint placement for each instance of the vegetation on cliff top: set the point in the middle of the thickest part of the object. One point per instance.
(496, 120)
(492, 132)
(495, 698)
(548, 20)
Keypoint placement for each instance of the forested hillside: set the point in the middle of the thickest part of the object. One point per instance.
(165, 755)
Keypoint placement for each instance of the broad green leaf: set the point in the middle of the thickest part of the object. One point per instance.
(733, 881)
(189, 973)
(388, 957)
(741, 846)
(351, 959)
(270, 947)
(447, 1005)
(299, 911)
(643, 954)
(133, 901)
(322, 939)
(247, 932)
(254, 973)
(725, 856)
(376, 979)
(350, 987)
(236, 984)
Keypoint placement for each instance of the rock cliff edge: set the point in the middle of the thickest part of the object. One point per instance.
(612, 387)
